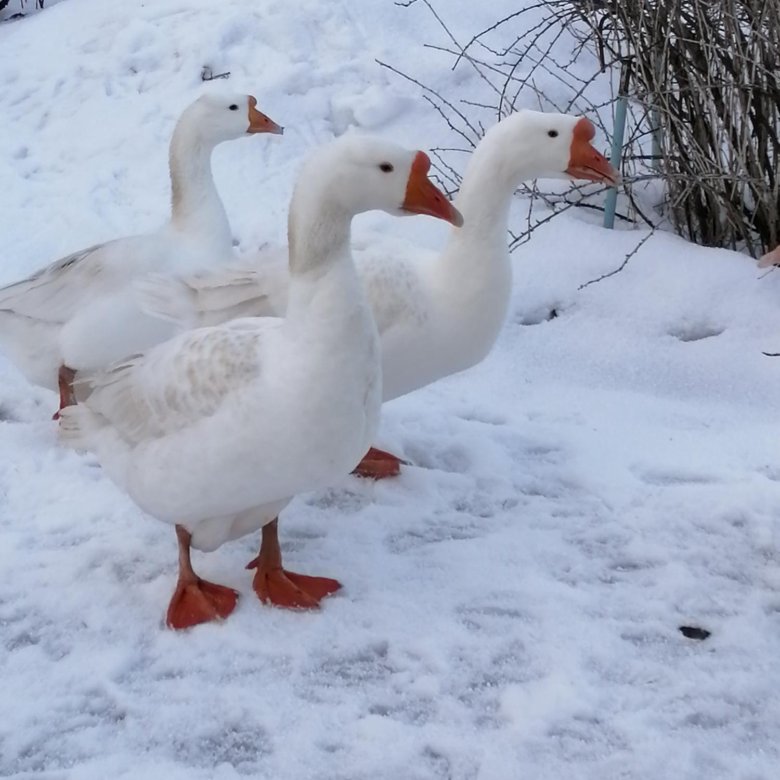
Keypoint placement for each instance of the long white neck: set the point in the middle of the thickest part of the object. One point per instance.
(475, 262)
(334, 353)
(323, 282)
(195, 203)
(486, 194)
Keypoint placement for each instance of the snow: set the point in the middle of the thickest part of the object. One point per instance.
(512, 602)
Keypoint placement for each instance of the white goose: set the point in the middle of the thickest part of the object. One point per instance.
(436, 313)
(217, 429)
(80, 312)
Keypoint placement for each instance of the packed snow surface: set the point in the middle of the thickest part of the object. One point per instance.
(512, 603)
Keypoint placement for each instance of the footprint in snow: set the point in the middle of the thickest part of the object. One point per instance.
(688, 331)
(694, 632)
(669, 478)
(537, 316)
(453, 458)
(422, 536)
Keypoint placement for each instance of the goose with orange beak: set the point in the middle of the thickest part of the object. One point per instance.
(271, 407)
(80, 312)
(437, 312)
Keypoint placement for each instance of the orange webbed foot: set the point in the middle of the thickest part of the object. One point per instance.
(316, 587)
(378, 464)
(287, 589)
(199, 601)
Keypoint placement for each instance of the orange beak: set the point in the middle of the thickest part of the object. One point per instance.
(424, 197)
(587, 163)
(259, 122)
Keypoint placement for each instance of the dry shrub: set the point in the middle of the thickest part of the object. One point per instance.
(704, 103)
(709, 72)
(516, 60)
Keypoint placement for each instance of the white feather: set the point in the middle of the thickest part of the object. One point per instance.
(217, 428)
(437, 313)
(82, 311)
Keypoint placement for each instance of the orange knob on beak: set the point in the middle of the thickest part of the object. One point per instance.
(424, 197)
(585, 162)
(259, 122)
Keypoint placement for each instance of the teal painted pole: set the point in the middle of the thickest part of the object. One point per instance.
(618, 134)
(655, 118)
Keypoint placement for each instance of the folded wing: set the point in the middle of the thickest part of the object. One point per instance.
(55, 293)
(176, 384)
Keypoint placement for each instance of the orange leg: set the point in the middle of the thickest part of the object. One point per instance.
(195, 600)
(65, 377)
(275, 585)
(378, 464)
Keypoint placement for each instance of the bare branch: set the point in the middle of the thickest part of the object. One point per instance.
(621, 266)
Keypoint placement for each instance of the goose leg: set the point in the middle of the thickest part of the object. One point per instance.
(195, 600)
(378, 464)
(275, 585)
(65, 377)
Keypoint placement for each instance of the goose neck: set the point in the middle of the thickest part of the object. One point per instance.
(318, 231)
(195, 202)
(486, 193)
(319, 246)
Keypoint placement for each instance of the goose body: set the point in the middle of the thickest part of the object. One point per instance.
(217, 429)
(437, 313)
(81, 311)
(194, 430)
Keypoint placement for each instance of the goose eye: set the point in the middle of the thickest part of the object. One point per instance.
(386, 168)
(552, 133)
(233, 107)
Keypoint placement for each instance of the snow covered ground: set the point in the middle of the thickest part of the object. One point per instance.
(512, 603)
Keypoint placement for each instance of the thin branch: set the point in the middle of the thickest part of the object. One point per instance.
(621, 266)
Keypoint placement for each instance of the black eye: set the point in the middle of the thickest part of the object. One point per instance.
(386, 168)
(234, 107)
(552, 133)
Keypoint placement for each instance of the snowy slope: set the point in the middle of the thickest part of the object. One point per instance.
(512, 602)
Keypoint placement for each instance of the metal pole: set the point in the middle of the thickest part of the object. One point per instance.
(655, 116)
(618, 134)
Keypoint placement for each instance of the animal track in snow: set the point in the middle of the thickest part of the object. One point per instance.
(367, 666)
(669, 478)
(453, 458)
(492, 618)
(538, 316)
(695, 331)
(241, 745)
(482, 415)
(432, 534)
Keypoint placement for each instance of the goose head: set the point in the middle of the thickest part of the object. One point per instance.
(552, 146)
(219, 117)
(358, 173)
